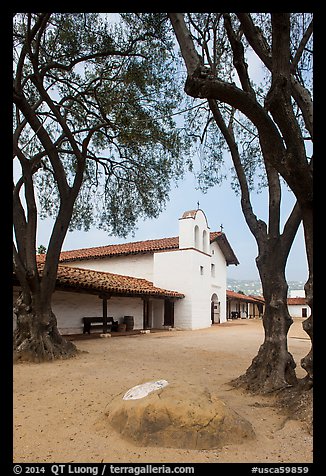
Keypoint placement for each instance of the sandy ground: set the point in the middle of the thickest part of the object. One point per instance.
(59, 407)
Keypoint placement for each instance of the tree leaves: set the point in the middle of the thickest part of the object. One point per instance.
(105, 93)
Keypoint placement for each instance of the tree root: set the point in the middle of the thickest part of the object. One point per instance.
(270, 371)
(43, 348)
(297, 404)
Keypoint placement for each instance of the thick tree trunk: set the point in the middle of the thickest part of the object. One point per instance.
(36, 337)
(273, 368)
(307, 361)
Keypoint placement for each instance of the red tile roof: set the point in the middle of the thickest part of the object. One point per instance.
(190, 214)
(72, 278)
(301, 301)
(243, 297)
(148, 246)
(120, 249)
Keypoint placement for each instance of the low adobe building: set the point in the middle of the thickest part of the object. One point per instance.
(298, 307)
(240, 305)
(176, 282)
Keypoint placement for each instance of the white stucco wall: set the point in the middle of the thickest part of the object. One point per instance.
(242, 307)
(295, 310)
(157, 313)
(70, 308)
(138, 266)
(172, 270)
(188, 237)
(218, 283)
(187, 270)
(297, 293)
(177, 271)
(181, 271)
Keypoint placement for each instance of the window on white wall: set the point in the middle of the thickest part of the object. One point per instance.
(205, 247)
(196, 232)
(213, 270)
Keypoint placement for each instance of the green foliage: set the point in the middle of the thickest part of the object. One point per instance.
(41, 250)
(113, 81)
(209, 34)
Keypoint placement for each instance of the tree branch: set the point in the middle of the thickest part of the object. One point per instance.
(256, 39)
(291, 226)
(251, 219)
(19, 220)
(301, 47)
(259, 45)
(81, 59)
(188, 51)
(238, 56)
(274, 200)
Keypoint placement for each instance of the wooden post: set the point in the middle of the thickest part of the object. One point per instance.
(105, 312)
(105, 315)
(168, 312)
(145, 313)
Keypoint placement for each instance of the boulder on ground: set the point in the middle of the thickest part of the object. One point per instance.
(178, 417)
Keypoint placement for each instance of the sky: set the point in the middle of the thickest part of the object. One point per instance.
(221, 207)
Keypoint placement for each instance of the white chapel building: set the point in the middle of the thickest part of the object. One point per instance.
(175, 282)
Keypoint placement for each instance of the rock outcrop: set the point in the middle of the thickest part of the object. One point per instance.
(178, 417)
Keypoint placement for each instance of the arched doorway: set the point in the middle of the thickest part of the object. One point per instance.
(215, 309)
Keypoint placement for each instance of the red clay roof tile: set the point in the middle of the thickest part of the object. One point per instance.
(301, 301)
(100, 281)
(243, 297)
(147, 246)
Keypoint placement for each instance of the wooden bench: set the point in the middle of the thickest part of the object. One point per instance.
(97, 323)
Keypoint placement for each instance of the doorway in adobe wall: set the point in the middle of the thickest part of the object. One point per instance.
(215, 309)
(168, 313)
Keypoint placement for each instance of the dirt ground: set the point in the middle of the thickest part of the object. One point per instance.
(59, 407)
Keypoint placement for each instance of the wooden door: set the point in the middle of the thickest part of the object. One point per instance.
(168, 313)
(146, 321)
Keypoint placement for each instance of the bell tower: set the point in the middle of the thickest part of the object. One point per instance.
(194, 231)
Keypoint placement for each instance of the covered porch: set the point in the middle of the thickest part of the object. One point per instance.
(241, 306)
(104, 300)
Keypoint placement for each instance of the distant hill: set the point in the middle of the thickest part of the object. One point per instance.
(250, 286)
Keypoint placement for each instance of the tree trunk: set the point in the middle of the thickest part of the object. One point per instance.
(273, 368)
(307, 361)
(36, 337)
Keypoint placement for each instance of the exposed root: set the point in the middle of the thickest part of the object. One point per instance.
(297, 404)
(269, 372)
(36, 337)
(43, 348)
(258, 387)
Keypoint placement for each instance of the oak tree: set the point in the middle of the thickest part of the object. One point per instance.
(94, 142)
(215, 49)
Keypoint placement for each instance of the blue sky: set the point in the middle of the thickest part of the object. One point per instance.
(221, 206)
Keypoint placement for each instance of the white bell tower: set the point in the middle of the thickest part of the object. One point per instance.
(194, 231)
